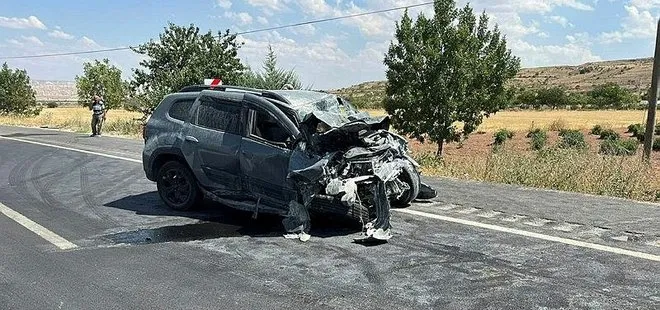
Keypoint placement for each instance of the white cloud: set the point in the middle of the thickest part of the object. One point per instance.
(638, 24)
(546, 55)
(14, 42)
(242, 18)
(543, 35)
(89, 43)
(561, 20)
(262, 20)
(645, 4)
(26, 41)
(225, 4)
(60, 35)
(316, 7)
(32, 40)
(275, 5)
(307, 30)
(580, 38)
(21, 23)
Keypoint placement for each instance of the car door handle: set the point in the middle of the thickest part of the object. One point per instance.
(192, 139)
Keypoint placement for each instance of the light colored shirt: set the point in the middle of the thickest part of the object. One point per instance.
(98, 108)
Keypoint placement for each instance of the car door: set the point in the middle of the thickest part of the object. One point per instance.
(265, 152)
(212, 140)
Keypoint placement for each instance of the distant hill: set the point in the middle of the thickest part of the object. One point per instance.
(54, 90)
(634, 74)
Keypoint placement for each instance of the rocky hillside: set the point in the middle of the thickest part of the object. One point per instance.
(634, 74)
(54, 90)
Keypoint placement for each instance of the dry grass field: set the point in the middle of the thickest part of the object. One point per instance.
(524, 120)
(78, 119)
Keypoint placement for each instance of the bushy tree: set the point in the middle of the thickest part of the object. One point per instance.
(272, 77)
(580, 100)
(554, 97)
(16, 94)
(182, 56)
(101, 78)
(525, 97)
(611, 95)
(446, 69)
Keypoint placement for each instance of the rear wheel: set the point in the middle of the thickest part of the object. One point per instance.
(177, 186)
(409, 176)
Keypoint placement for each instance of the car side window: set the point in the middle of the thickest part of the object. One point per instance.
(218, 115)
(180, 109)
(266, 127)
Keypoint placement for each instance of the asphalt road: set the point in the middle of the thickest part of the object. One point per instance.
(476, 246)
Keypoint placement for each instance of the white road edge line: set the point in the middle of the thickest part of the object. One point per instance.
(43, 232)
(73, 150)
(572, 242)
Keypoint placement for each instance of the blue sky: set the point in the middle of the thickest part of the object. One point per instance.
(327, 55)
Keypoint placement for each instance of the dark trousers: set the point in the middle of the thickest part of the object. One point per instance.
(97, 123)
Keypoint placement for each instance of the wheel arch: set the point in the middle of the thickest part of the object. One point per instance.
(161, 156)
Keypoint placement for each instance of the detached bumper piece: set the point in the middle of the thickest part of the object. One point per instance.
(378, 229)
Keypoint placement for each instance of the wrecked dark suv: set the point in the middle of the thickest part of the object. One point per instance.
(286, 152)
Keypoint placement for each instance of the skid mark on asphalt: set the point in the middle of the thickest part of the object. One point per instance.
(44, 183)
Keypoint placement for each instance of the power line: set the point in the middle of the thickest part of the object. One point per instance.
(337, 18)
(238, 33)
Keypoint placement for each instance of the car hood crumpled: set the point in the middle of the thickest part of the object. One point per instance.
(329, 162)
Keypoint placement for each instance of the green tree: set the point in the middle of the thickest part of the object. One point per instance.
(101, 78)
(446, 69)
(554, 97)
(272, 77)
(182, 56)
(580, 100)
(525, 98)
(611, 95)
(16, 94)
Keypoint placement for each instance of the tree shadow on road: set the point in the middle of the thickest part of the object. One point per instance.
(217, 221)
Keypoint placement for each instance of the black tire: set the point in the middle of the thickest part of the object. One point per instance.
(177, 186)
(410, 176)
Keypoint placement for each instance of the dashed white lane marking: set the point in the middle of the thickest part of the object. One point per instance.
(572, 242)
(412, 212)
(73, 149)
(41, 231)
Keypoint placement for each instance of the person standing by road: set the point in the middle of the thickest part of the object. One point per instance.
(98, 115)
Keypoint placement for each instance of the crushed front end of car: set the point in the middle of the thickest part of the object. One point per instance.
(349, 163)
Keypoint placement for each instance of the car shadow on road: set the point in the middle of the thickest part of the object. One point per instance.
(216, 221)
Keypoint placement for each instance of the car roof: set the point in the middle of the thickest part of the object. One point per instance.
(255, 91)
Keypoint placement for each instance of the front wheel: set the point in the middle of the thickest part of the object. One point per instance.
(177, 186)
(409, 176)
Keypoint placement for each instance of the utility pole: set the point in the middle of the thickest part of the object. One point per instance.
(653, 99)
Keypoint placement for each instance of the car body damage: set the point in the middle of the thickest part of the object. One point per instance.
(351, 158)
(286, 152)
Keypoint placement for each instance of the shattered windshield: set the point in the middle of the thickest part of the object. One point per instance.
(308, 102)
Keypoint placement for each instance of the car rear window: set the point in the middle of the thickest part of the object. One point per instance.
(218, 115)
(180, 109)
